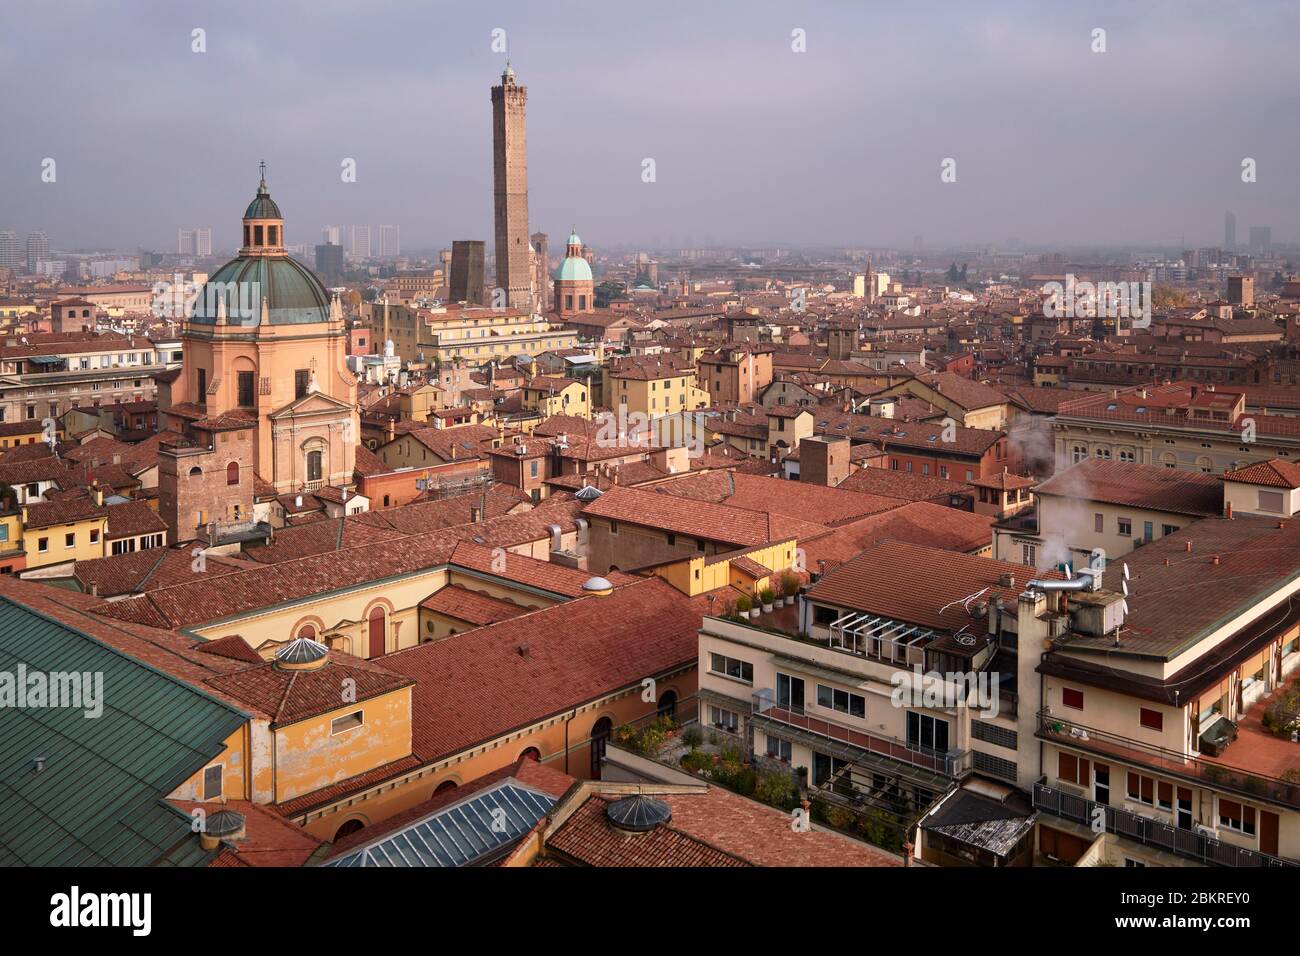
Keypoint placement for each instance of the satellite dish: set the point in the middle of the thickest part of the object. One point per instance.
(1126, 574)
(966, 640)
(1124, 587)
(1123, 606)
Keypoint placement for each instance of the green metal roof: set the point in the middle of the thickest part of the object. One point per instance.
(262, 206)
(99, 801)
(574, 269)
(293, 293)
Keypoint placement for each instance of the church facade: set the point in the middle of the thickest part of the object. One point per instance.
(265, 361)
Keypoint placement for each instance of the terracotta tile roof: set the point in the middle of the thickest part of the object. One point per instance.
(588, 837)
(967, 442)
(965, 392)
(131, 518)
(900, 484)
(67, 510)
(476, 685)
(1003, 481)
(1274, 473)
(368, 463)
(699, 519)
(232, 646)
(290, 696)
(709, 828)
(144, 570)
(914, 583)
(1139, 486)
(1173, 606)
(472, 607)
(262, 585)
(916, 522)
(808, 502)
(269, 839)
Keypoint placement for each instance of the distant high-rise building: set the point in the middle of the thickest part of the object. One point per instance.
(329, 261)
(1229, 231)
(466, 282)
(510, 187)
(360, 245)
(10, 253)
(332, 235)
(194, 242)
(390, 241)
(1261, 240)
(38, 250)
(203, 242)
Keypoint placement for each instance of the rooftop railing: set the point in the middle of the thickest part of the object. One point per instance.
(1209, 773)
(950, 762)
(1185, 843)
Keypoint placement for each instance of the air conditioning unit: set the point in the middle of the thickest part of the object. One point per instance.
(1203, 830)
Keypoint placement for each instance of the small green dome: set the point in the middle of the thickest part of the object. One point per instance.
(574, 239)
(293, 293)
(262, 206)
(574, 269)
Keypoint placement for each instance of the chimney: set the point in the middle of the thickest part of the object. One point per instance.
(297, 501)
(1189, 547)
(390, 429)
(1227, 511)
(1214, 559)
(1007, 580)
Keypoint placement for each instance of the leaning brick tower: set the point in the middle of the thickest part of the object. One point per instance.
(510, 162)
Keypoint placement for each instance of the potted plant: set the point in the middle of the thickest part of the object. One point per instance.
(766, 596)
(743, 604)
(789, 587)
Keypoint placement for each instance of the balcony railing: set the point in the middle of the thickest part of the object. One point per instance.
(950, 763)
(1185, 843)
(1211, 774)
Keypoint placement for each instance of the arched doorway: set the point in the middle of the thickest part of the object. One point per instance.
(599, 738)
(376, 632)
(349, 828)
(444, 787)
(668, 705)
(532, 753)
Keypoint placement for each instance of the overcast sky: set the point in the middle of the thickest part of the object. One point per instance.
(753, 143)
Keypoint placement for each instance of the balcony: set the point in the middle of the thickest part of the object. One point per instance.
(950, 764)
(1185, 843)
(1208, 773)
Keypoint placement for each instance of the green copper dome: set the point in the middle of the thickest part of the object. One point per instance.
(262, 206)
(293, 293)
(574, 269)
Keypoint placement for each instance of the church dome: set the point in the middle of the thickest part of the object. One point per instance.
(263, 271)
(574, 269)
(293, 293)
(262, 206)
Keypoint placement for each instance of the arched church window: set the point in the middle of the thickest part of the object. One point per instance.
(232, 473)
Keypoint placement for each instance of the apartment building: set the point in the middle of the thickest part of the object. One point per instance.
(475, 335)
(1175, 425)
(952, 699)
(1105, 506)
(46, 374)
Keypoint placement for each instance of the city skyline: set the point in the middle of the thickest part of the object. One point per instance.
(753, 143)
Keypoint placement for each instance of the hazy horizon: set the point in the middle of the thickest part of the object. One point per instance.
(754, 144)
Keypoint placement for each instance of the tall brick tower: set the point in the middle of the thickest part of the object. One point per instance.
(510, 162)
